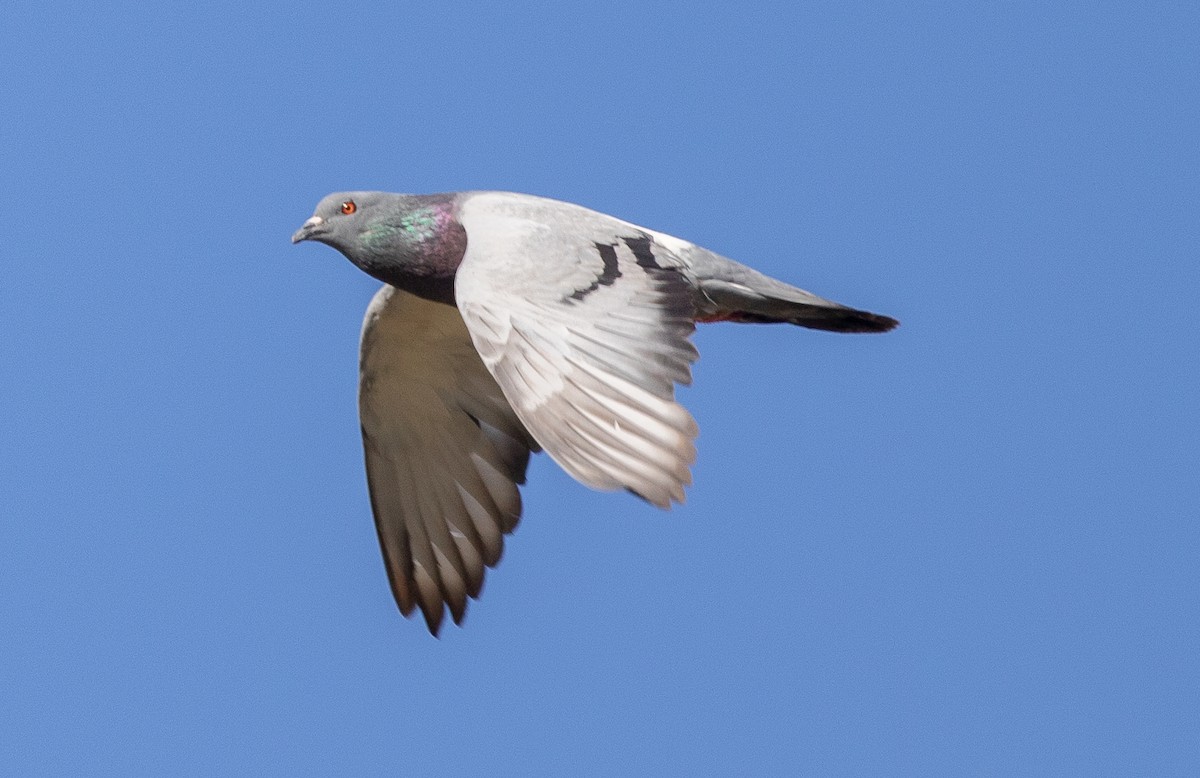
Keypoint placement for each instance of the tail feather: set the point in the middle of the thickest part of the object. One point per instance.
(730, 291)
(781, 303)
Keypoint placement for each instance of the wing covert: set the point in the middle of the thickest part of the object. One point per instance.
(584, 320)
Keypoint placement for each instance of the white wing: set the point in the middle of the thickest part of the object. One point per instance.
(584, 321)
(444, 453)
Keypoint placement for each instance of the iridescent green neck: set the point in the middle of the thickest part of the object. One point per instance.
(417, 247)
(409, 229)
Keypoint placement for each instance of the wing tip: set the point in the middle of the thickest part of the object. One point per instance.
(435, 617)
(664, 499)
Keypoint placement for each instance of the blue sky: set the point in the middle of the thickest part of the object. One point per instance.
(966, 547)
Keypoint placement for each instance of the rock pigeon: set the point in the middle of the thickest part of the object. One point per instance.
(510, 324)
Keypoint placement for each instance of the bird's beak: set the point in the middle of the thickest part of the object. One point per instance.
(307, 229)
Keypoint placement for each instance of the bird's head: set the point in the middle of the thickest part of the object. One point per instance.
(409, 241)
(341, 218)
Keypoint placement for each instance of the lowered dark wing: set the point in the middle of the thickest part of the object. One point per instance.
(444, 453)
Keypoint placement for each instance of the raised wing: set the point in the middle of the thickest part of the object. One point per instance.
(584, 321)
(444, 453)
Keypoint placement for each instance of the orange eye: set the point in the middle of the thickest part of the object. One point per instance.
(349, 207)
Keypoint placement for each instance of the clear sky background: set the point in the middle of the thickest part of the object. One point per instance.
(970, 546)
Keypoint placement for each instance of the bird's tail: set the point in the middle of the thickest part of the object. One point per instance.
(744, 305)
(729, 291)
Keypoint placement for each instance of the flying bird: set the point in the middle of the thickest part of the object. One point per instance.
(510, 324)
